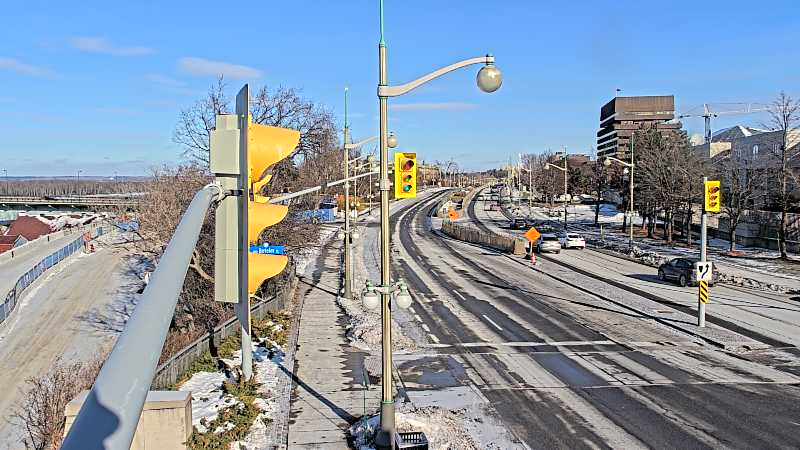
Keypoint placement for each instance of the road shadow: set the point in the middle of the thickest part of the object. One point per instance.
(297, 382)
(112, 318)
(650, 278)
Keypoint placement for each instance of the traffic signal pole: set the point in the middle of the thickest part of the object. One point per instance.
(242, 307)
(701, 306)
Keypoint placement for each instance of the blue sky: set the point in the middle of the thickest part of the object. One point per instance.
(97, 86)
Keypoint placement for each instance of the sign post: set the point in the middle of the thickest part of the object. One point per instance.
(711, 202)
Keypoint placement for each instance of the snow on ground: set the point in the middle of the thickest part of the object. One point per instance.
(309, 254)
(464, 429)
(208, 398)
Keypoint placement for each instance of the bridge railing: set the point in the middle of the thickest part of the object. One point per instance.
(15, 294)
(110, 413)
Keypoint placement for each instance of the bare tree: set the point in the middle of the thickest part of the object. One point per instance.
(742, 184)
(665, 164)
(40, 412)
(195, 123)
(784, 117)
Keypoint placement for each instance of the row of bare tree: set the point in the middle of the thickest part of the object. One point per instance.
(668, 177)
(62, 188)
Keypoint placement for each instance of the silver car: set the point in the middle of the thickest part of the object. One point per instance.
(548, 243)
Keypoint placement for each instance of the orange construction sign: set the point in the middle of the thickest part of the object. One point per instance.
(452, 214)
(533, 234)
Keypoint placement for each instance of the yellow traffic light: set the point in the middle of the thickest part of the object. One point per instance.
(266, 146)
(405, 175)
(713, 196)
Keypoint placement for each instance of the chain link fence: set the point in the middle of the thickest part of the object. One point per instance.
(12, 297)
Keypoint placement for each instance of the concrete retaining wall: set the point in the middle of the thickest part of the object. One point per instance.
(470, 233)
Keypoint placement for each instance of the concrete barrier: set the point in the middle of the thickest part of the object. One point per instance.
(470, 233)
(165, 423)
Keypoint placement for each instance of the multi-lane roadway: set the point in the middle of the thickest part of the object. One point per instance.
(563, 361)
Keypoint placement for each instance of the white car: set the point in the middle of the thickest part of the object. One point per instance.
(572, 240)
(548, 243)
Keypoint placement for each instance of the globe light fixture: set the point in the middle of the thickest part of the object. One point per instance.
(489, 77)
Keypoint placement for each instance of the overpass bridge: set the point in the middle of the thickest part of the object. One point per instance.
(67, 203)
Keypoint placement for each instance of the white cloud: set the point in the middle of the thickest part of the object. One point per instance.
(200, 66)
(165, 81)
(441, 106)
(15, 65)
(101, 45)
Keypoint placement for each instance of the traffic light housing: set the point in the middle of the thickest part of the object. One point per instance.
(405, 175)
(264, 147)
(713, 196)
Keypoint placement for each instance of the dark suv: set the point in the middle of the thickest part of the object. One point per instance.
(517, 223)
(684, 271)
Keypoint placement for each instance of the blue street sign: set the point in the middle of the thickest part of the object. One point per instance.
(268, 249)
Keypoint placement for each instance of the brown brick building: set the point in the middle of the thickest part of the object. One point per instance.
(621, 116)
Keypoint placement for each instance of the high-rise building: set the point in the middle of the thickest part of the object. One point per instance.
(621, 116)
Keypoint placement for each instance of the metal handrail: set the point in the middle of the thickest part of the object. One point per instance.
(110, 413)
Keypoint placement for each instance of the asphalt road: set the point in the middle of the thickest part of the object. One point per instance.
(762, 315)
(49, 324)
(563, 368)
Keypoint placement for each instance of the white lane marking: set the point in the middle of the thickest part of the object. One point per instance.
(425, 327)
(461, 296)
(492, 322)
(527, 344)
(433, 338)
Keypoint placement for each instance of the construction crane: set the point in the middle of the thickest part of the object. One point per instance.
(714, 110)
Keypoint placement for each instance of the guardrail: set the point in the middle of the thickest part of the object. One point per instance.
(88, 201)
(12, 297)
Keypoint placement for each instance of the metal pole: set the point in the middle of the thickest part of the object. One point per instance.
(631, 196)
(110, 413)
(565, 188)
(701, 307)
(347, 269)
(385, 437)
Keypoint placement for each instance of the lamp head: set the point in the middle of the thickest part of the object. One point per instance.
(391, 141)
(625, 171)
(489, 77)
(607, 162)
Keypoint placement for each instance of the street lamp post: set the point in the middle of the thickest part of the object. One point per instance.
(489, 79)
(607, 162)
(563, 169)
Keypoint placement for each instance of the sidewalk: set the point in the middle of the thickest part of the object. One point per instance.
(327, 395)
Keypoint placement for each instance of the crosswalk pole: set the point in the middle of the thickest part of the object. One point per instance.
(701, 306)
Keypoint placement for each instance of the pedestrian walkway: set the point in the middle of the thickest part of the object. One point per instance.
(328, 393)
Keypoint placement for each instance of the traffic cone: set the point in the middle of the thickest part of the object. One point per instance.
(533, 258)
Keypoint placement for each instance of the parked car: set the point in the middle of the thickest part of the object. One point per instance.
(684, 271)
(548, 243)
(572, 240)
(517, 223)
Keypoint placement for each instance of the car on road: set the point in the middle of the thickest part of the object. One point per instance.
(517, 223)
(548, 243)
(572, 240)
(684, 271)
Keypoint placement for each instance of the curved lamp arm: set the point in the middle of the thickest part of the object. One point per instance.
(360, 143)
(619, 161)
(557, 167)
(394, 91)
